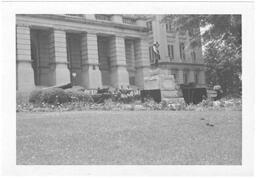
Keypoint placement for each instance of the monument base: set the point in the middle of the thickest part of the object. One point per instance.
(160, 79)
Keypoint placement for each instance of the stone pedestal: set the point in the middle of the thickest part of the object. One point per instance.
(191, 76)
(160, 79)
(25, 76)
(92, 77)
(202, 78)
(180, 77)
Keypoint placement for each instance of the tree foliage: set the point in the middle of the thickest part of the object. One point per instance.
(221, 39)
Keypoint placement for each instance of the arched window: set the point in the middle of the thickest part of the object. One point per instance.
(170, 52)
(149, 25)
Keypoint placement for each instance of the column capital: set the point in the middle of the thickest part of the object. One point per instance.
(23, 61)
(118, 65)
(90, 64)
(23, 25)
(120, 36)
(143, 66)
(91, 33)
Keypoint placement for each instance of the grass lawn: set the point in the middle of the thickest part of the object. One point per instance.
(130, 137)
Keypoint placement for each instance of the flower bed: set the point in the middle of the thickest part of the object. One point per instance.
(76, 99)
(109, 105)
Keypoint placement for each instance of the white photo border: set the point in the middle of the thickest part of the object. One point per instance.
(8, 66)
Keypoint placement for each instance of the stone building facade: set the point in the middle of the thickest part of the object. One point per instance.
(97, 50)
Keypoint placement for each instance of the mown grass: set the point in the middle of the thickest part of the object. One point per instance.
(144, 137)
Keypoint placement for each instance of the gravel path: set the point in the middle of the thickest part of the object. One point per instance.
(143, 137)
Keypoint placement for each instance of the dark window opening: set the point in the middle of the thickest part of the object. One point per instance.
(182, 51)
(129, 21)
(103, 17)
(170, 51)
(169, 27)
(149, 25)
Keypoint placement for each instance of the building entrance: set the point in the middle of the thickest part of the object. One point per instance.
(130, 60)
(40, 56)
(104, 59)
(74, 57)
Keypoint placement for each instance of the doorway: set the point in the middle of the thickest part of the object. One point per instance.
(40, 56)
(74, 57)
(104, 59)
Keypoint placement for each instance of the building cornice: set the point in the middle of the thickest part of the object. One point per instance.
(182, 64)
(86, 21)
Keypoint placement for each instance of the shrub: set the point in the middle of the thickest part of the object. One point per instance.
(50, 96)
(22, 97)
(35, 96)
(100, 98)
(78, 95)
(77, 88)
(54, 96)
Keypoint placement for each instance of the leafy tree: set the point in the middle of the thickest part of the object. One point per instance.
(221, 39)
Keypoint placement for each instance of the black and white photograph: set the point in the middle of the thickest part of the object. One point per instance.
(131, 89)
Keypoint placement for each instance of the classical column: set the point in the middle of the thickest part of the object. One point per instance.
(119, 73)
(58, 56)
(142, 62)
(191, 76)
(24, 70)
(130, 58)
(91, 75)
(180, 77)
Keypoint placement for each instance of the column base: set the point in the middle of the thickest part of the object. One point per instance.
(62, 74)
(91, 77)
(25, 77)
(120, 77)
(141, 73)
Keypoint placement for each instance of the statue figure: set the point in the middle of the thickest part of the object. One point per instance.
(156, 54)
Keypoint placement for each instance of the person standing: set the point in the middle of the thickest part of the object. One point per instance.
(219, 91)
